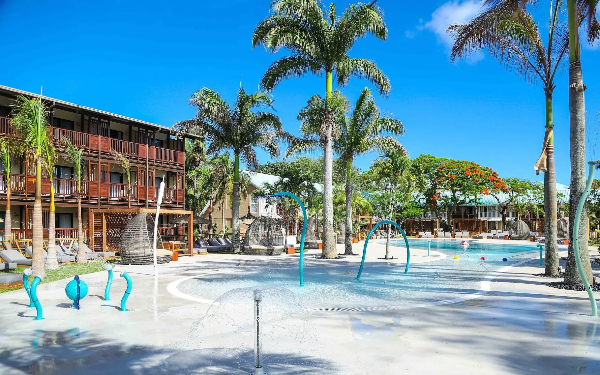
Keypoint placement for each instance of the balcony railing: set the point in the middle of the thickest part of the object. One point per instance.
(94, 142)
(117, 191)
(61, 233)
(17, 183)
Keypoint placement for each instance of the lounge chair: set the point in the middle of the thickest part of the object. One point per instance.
(500, 235)
(483, 235)
(63, 255)
(216, 245)
(458, 235)
(93, 255)
(29, 251)
(421, 234)
(7, 266)
(13, 256)
(428, 235)
(10, 278)
(447, 234)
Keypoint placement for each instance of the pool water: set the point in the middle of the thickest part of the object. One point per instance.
(332, 285)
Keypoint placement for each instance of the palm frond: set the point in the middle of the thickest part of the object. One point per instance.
(75, 155)
(356, 22)
(362, 68)
(303, 145)
(288, 67)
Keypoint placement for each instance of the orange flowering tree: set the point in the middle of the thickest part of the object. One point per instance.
(447, 183)
(522, 195)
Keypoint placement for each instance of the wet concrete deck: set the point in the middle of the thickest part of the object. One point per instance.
(520, 326)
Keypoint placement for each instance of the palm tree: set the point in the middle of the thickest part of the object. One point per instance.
(30, 120)
(358, 134)
(319, 41)
(9, 148)
(75, 155)
(238, 129)
(577, 12)
(392, 174)
(124, 162)
(49, 161)
(513, 38)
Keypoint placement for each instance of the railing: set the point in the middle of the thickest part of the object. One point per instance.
(64, 187)
(20, 234)
(169, 195)
(5, 126)
(77, 139)
(117, 191)
(17, 183)
(124, 147)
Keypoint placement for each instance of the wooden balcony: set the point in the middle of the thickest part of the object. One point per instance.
(61, 233)
(97, 143)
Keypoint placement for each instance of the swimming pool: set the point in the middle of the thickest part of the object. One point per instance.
(331, 285)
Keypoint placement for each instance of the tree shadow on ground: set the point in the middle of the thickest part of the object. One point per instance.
(75, 352)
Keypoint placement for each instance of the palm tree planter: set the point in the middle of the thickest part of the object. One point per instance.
(238, 129)
(320, 42)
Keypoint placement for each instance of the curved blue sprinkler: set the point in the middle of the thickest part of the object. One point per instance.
(541, 254)
(578, 214)
(362, 262)
(26, 285)
(34, 298)
(127, 291)
(109, 268)
(285, 193)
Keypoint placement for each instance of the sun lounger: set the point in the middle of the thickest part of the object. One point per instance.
(500, 235)
(13, 256)
(483, 235)
(63, 255)
(428, 235)
(7, 266)
(10, 278)
(422, 234)
(29, 251)
(92, 255)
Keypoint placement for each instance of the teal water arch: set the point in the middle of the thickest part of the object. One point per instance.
(362, 263)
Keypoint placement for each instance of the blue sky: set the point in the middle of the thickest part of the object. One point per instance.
(145, 59)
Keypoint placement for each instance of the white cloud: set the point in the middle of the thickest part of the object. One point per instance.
(450, 13)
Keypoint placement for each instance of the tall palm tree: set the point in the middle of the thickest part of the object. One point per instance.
(75, 155)
(513, 38)
(9, 148)
(358, 134)
(49, 161)
(30, 120)
(319, 41)
(577, 12)
(239, 129)
(392, 174)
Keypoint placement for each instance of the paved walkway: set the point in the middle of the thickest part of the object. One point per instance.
(520, 326)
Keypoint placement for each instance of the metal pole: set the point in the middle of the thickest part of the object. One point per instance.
(257, 330)
(541, 257)
(578, 214)
(158, 202)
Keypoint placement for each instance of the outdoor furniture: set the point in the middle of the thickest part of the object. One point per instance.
(483, 235)
(136, 246)
(29, 251)
(500, 235)
(13, 256)
(7, 266)
(10, 278)
(421, 234)
(92, 255)
(428, 235)
(63, 255)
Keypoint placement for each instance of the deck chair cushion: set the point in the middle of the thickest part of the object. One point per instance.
(7, 266)
(10, 278)
(13, 256)
(29, 251)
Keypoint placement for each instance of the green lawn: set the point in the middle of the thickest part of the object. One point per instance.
(65, 271)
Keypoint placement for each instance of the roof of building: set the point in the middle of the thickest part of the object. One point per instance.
(83, 108)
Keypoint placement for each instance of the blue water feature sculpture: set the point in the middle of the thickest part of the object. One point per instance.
(578, 214)
(285, 193)
(362, 262)
(76, 290)
(428, 247)
(34, 298)
(109, 268)
(127, 291)
(26, 285)
(541, 254)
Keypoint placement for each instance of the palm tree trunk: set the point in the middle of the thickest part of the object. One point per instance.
(348, 234)
(38, 226)
(51, 261)
(550, 199)
(81, 257)
(8, 218)
(578, 167)
(329, 243)
(235, 210)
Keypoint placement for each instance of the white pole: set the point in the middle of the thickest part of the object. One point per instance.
(161, 189)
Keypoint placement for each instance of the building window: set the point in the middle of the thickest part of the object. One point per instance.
(63, 172)
(158, 143)
(116, 178)
(254, 206)
(63, 124)
(64, 220)
(116, 134)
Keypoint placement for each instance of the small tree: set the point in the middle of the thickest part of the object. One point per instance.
(49, 161)
(75, 154)
(9, 148)
(127, 169)
(30, 121)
